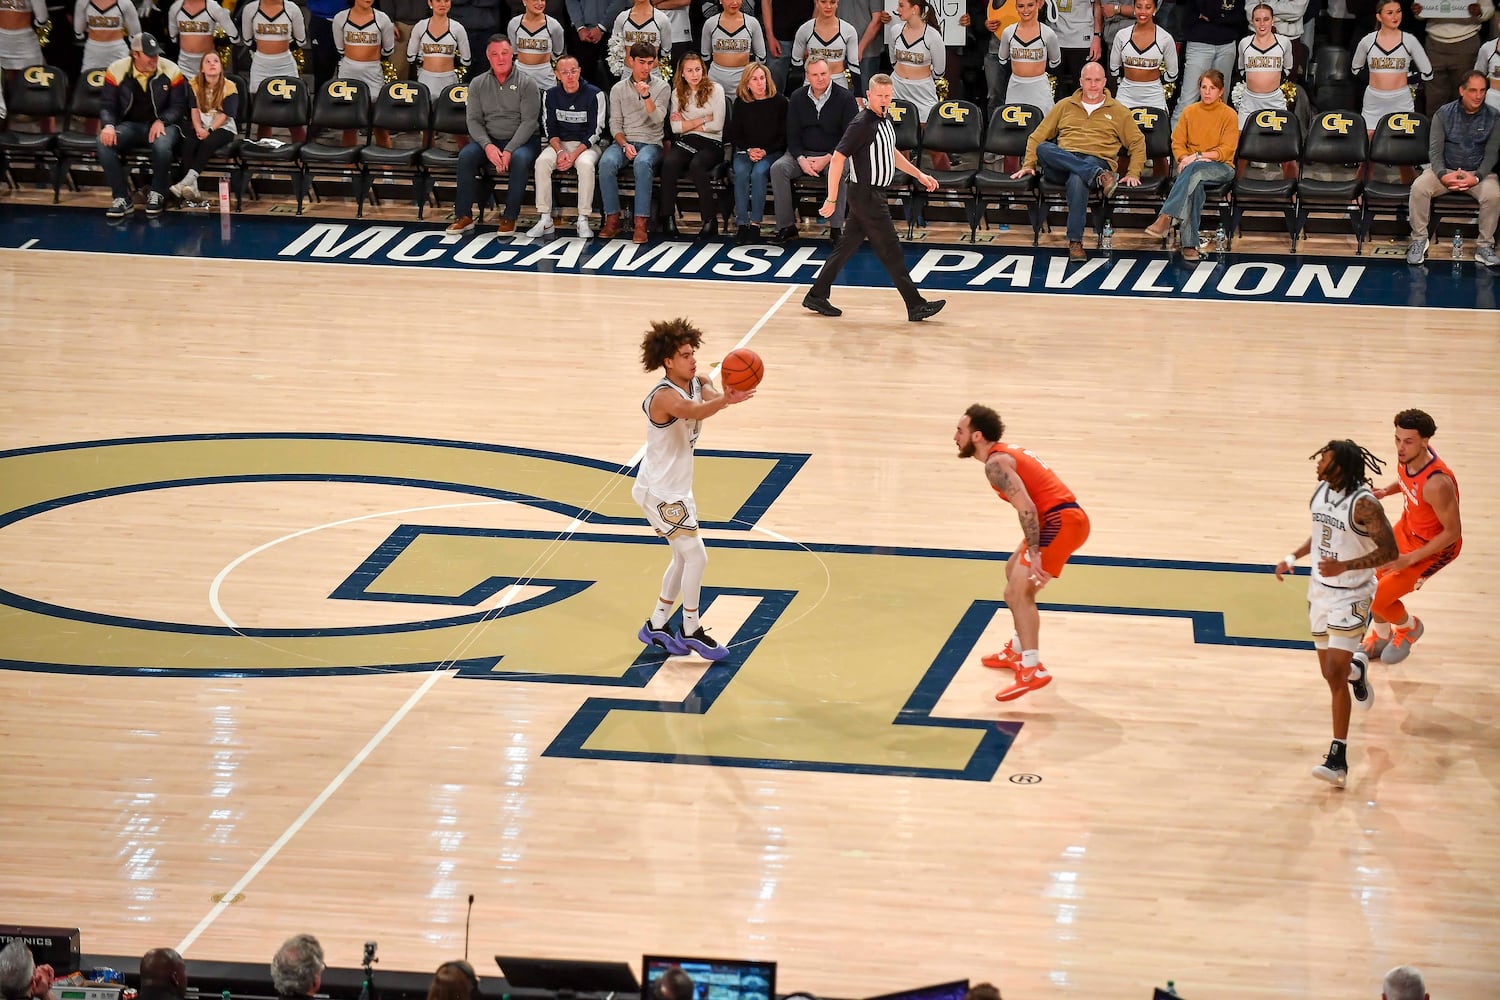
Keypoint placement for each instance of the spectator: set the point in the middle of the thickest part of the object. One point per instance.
(1398, 57)
(832, 39)
(1203, 143)
(588, 18)
(757, 132)
(105, 31)
(144, 99)
(209, 126)
(363, 36)
(19, 47)
(163, 972)
(1078, 143)
(404, 15)
(480, 18)
(1488, 63)
(454, 981)
(1265, 60)
(573, 118)
(504, 109)
(20, 977)
(1210, 36)
(438, 45)
(297, 969)
(191, 24)
(1144, 58)
(1030, 49)
(538, 39)
(1452, 45)
(697, 116)
(782, 21)
(1464, 145)
(638, 108)
(325, 51)
(271, 28)
(817, 116)
(731, 40)
(1403, 983)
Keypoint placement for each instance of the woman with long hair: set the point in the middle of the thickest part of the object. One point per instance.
(1392, 55)
(1030, 48)
(1203, 144)
(697, 123)
(213, 103)
(758, 134)
(918, 58)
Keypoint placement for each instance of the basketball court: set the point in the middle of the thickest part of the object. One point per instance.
(320, 578)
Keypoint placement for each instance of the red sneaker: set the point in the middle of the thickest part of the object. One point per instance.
(1027, 679)
(1007, 659)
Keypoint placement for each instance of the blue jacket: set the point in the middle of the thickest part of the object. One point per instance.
(576, 117)
(166, 92)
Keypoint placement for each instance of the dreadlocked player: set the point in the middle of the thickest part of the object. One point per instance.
(1352, 537)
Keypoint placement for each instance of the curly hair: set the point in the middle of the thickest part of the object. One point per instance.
(1416, 420)
(297, 965)
(986, 421)
(1352, 465)
(665, 338)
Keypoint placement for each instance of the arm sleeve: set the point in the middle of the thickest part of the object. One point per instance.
(299, 26)
(474, 115)
(616, 115)
(799, 44)
(80, 22)
(1437, 137)
(387, 34)
(757, 38)
(555, 30)
(548, 115)
(1054, 48)
(513, 30)
(531, 113)
(575, 13)
(1179, 138)
(39, 13)
(1137, 145)
(461, 36)
(660, 95)
(794, 145)
(601, 116)
(1361, 53)
(340, 21)
(1117, 52)
(1419, 57)
(939, 51)
(1006, 36)
(224, 21)
(706, 45)
(1170, 68)
(851, 46)
(715, 109)
(1491, 154)
(172, 14)
(1229, 140)
(231, 103)
(414, 43)
(247, 26)
(132, 19)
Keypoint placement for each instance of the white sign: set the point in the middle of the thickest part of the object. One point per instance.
(948, 13)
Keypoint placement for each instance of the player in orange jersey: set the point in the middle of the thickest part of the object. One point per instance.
(1429, 535)
(1054, 527)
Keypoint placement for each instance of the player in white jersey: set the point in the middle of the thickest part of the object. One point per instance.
(19, 21)
(1392, 56)
(1030, 49)
(192, 24)
(1144, 58)
(1488, 63)
(675, 409)
(1351, 536)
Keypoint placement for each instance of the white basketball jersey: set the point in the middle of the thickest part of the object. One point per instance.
(667, 469)
(1335, 536)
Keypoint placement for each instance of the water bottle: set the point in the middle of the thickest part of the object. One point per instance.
(1221, 239)
(1108, 235)
(1171, 986)
(1458, 246)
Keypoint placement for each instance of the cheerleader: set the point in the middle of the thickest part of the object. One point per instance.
(1392, 55)
(731, 39)
(437, 47)
(103, 28)
(19, 21)
(537, 40)
(363, 36)
(1143, 58)
(832, 39)
(192, 24)
(270, 28)
(1265, 60)
(1030, 49)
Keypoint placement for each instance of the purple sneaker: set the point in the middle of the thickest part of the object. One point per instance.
(700, 642)
(662, 638)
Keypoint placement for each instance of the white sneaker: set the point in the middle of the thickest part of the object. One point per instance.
(1487, 256)
(1359, 683)
(543, 227)
(191, 193)
(177, 190)
(584, 230)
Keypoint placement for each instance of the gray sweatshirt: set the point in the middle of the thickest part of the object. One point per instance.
(506, 112)
(627, 111)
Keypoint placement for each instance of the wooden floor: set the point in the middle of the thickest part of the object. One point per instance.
(1175, 832)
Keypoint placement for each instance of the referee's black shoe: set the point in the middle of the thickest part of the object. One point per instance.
(820, 305)
(928, 307)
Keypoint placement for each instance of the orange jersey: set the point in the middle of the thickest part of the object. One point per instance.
(1047, 490)
(1418, 514)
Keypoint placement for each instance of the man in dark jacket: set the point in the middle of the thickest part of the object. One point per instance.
(1211, 36)
(144, 98)
(817, 116)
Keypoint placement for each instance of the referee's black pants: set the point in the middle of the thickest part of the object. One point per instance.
(869, 217)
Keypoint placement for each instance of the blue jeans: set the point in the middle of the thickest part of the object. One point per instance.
(1185, 201)
(750, 180)
(1199, 58)
(644, 165)
(132, 135)
(1078, 171)
(780, 66)
(472, 159)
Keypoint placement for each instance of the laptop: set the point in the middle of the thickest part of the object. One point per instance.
(714, 978)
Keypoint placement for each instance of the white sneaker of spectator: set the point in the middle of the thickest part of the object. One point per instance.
(585, 231)
(543, 227)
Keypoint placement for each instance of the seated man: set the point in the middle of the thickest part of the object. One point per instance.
(503, 111)
(817, 116)
(144, 98)
(637, 120)
(1462, 149)
(1078, 143)
(572, 122)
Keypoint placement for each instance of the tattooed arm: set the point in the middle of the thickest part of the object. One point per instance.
(1000, 469)
(1369, 517)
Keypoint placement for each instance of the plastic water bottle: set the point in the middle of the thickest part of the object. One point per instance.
(1458, 246)
(1221, 240)
(1171, 986)
(1108, 235)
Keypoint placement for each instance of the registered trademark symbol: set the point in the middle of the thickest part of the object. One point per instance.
(1026, 779)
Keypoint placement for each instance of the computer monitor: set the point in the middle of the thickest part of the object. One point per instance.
(955, 990)
(714, 978)
(565, 975)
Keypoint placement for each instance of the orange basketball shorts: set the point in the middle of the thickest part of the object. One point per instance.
(1395, 584)
(1064, 530)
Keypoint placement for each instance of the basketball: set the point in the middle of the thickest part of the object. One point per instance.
(742, 369)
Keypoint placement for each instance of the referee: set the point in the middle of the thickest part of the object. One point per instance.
(869, 146)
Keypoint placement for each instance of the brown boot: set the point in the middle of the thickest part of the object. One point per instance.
(1159, 229)
(640, 229)
(611, 227)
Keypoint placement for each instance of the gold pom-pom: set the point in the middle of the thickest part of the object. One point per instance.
(460, 71)
(665, 68)
(1170, 89)
(1052, 84)
(942, 88)
(44, 34)
(299, 59)
(387, 71)
(226, 53)
(1289, 91)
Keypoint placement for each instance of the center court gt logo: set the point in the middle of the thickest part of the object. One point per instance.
(907, 619)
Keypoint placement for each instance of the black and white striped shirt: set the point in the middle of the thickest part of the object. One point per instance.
(869, 143)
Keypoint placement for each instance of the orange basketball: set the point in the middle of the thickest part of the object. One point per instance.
(742, 369)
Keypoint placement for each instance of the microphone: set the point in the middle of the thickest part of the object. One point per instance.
(467, 916)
